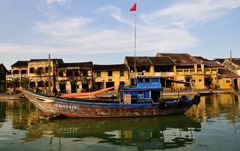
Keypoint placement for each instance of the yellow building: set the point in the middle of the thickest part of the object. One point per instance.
(40, 71)
(151, 66)
(106, 76)
(19, 72)
(233, 64)
(227, 79)
(74, 77)
(197, 73)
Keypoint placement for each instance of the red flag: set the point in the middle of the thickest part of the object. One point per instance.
(134, 7)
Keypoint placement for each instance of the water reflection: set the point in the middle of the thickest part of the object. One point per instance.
(222, 111)
(217, 105)
(144, 133)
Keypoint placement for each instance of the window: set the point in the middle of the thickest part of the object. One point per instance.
(60, 73)
(41, 84)
(227, 81)
(46, 69)
(109, 84)
(98, 74)
(31, 70)
(140, 80)
(15, 71)
(40, 70)
(121, 84)
(23, 71)
(155, 80)
(147, 80)
(109, 73)
(85, 73)
(122, 73)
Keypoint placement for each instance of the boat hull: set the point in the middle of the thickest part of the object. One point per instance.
(54, 106)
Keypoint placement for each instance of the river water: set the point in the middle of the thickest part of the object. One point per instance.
(214, 125)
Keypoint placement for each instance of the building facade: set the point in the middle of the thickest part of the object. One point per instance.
(3, 73)
(41, 73)
(75, 77)
(17, 77)
(106, 76)
(196, 73)
(151, 66)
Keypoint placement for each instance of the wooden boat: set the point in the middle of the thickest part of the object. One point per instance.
(86, 95)
(139, 101)
(205, 93)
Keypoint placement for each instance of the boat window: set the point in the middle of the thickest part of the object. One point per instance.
(155, 80)
(147, 80)
(140, 95)
(140, 80)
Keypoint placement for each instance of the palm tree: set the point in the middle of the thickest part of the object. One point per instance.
(25, 83)
(14, 83)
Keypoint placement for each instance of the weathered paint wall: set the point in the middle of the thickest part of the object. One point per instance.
(224, 83)
(116, 78)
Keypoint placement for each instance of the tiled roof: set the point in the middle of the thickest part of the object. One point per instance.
(162, 61)
(20, 64)
(3, 67)
(183, 59)
(220, 60)
(140, 61)
(226, 73)
(147, 61)
(111, 67)
(76, 64)
(209, 63)
(236, 61)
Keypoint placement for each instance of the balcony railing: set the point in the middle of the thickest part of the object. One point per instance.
(210, 71)
(164, 74)
(185, 71)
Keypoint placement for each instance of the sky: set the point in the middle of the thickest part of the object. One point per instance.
(102, 31)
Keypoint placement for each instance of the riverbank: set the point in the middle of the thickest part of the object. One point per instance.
(7, 96)
(191, 92)
(166, 93)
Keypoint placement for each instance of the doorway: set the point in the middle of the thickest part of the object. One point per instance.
(109, 84)
(73, 87)
(236, 84)
(85, 87)
(62, 87)
(207, 82)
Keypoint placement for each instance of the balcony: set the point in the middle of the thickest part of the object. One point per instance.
(185, 71)
(210, 71)
(164, 74)
(132, 75)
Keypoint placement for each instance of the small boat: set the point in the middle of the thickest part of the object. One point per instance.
(86, 95)
(205, 93)
(138, 101)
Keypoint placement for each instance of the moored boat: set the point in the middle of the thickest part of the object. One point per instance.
(139, 101)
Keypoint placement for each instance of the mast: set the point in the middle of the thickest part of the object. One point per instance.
(49, 76)
(231, 74)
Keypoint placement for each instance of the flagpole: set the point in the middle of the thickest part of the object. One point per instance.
(134, 8)
(135, 49)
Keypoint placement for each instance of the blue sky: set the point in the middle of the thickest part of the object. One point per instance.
(103, 30)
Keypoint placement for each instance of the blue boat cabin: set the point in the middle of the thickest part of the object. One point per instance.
(147, 90)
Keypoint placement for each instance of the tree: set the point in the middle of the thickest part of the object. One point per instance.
(25, 83)
(14, 83)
